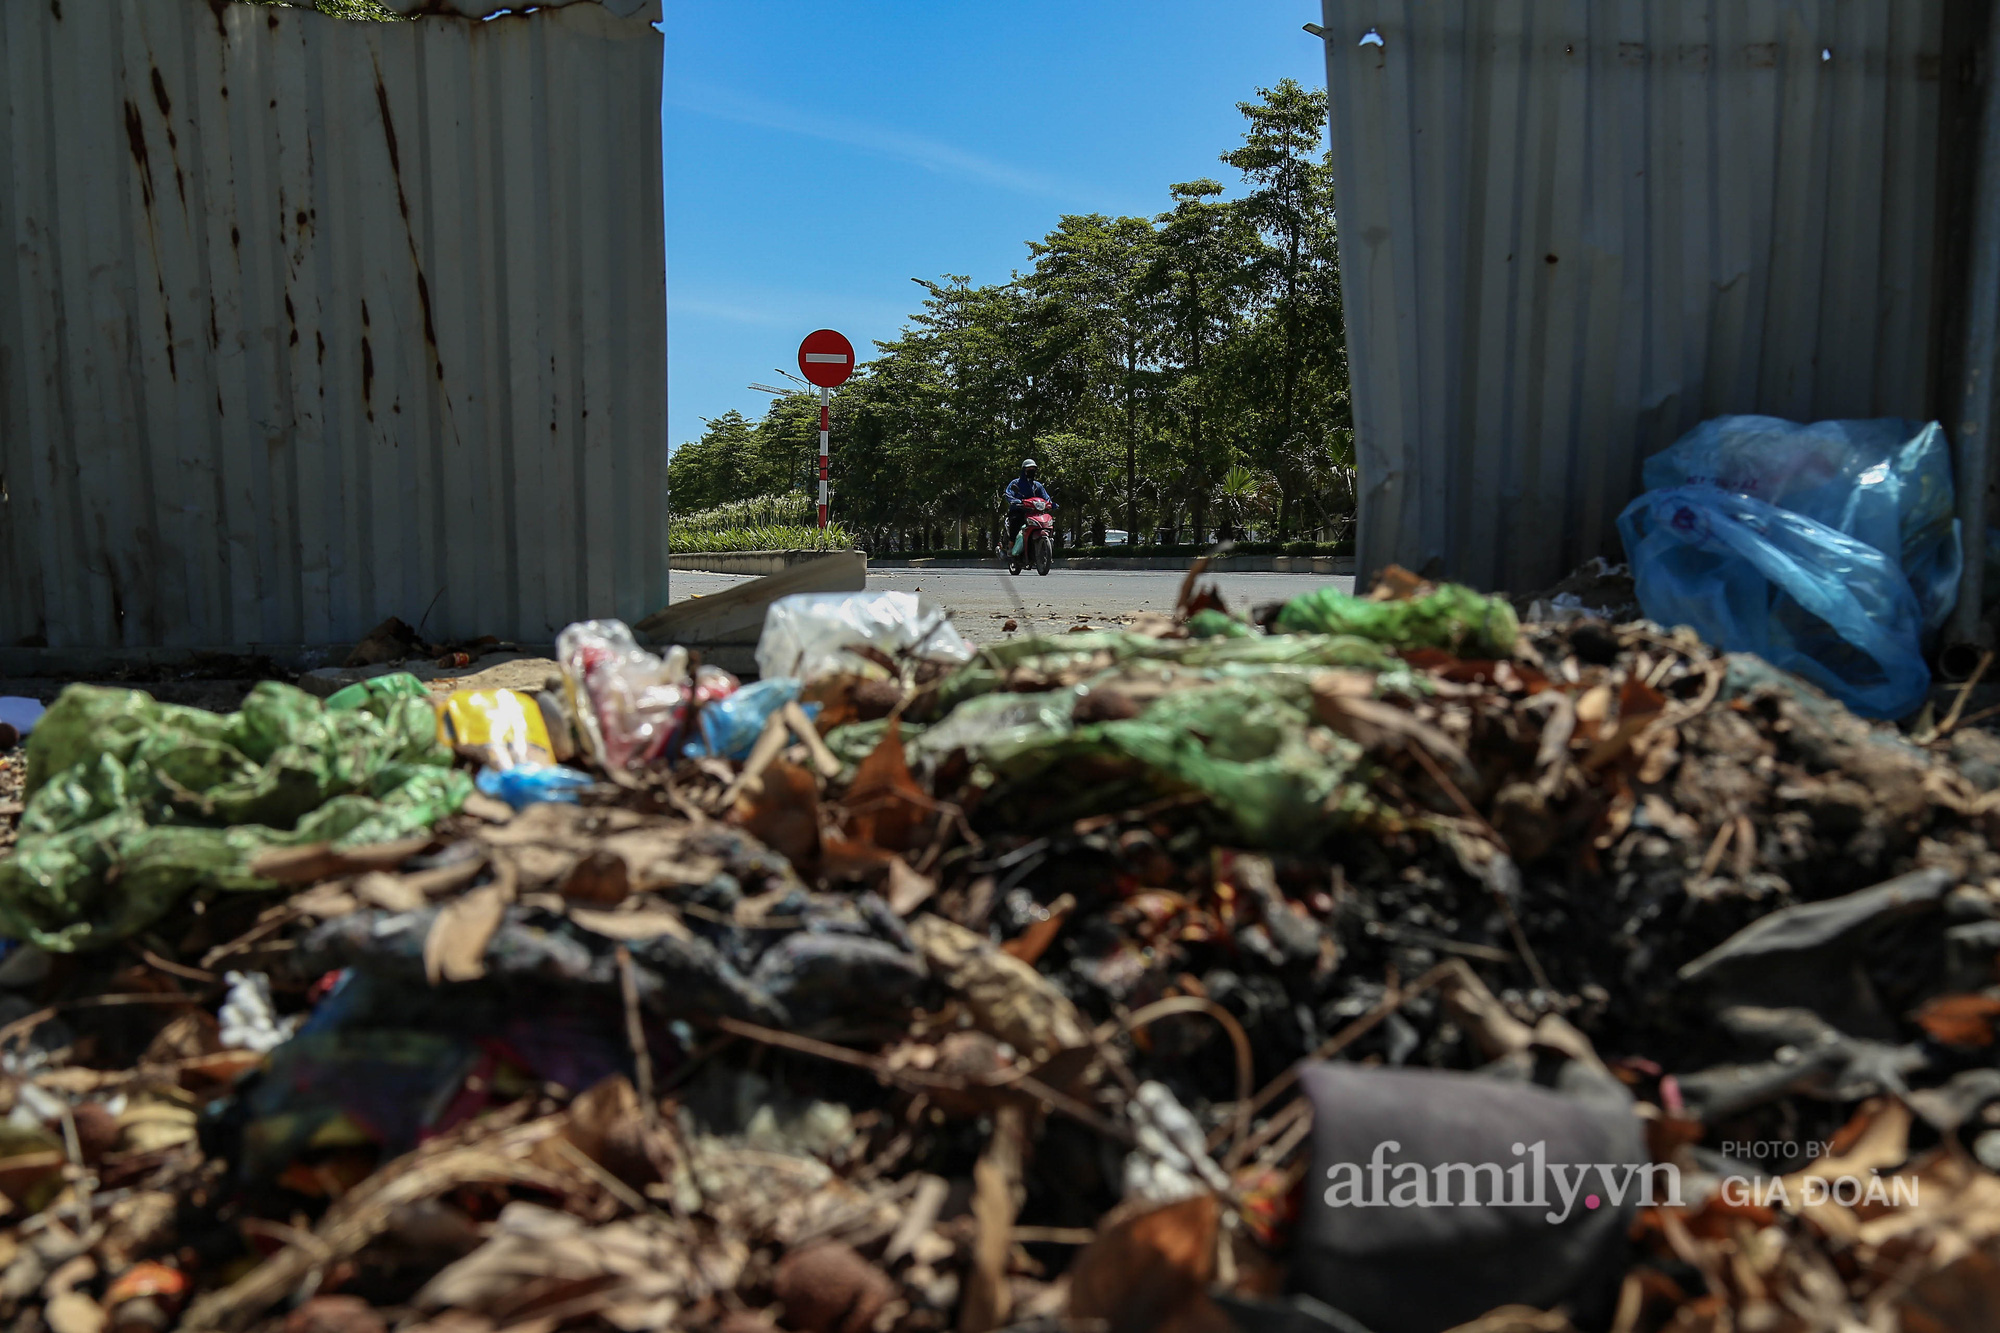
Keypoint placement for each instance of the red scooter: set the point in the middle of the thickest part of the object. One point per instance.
(1035, 543)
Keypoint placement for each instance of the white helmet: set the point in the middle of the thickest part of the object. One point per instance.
(1027, 463)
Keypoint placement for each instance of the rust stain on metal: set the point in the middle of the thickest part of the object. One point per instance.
(135, 136)
(409, 233)
(389, 135)
(430, 329)
(173, 140)
(167, 317)
(160, 97)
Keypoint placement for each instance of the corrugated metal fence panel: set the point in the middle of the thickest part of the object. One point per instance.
(307, 322)
(1572, 229)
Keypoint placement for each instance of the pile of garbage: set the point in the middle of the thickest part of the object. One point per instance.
(1354, 963)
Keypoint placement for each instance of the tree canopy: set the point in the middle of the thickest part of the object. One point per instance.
(1185, 370)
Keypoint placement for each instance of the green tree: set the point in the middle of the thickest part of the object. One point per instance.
(1202, 274)
(714, 469)
(1299, 345)
(1088, 282)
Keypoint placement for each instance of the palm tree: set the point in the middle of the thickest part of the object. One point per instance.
(1241, 496)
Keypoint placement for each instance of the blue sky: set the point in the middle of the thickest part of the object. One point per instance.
(819, 156)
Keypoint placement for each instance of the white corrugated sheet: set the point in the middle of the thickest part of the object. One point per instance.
(307, 322)
(1571, 230)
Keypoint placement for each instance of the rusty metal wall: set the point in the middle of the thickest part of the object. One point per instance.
(1572, 229)
(307, 322)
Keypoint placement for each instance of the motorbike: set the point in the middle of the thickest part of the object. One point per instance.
(1035, 543)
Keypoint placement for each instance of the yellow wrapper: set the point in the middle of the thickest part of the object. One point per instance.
(500, 728)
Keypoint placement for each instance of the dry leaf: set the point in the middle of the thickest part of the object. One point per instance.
(636, 1274)
(73, 1312)
(908, 889)
(1375, 725)
(783, 813)
(325, 901)
(843, 858)
(1005, 996)
(608, 1125)
(646, 923)
(455, 949)
(1032, 943)
(1960, 1020)
(827, 1287)
(148, 1126)
(391, 893)
(996, 1201)
(1396, 584)
(1639, 704)
(334, 1314)
(600, 879)
(884, 803)
(491, 809)
(1593, 709)
(1963, 1294)
(318, 860)
(185, 1036)
(824, 759)
(1150, 1269)
(1876, 1137)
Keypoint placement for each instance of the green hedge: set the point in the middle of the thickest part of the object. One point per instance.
(761, 523)
(778, 538)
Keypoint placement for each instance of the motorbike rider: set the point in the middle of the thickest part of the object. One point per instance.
(1024, 487)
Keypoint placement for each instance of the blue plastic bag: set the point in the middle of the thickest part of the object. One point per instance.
(524, 785)
(1752, 577)
(729, 727)
(1885, 482)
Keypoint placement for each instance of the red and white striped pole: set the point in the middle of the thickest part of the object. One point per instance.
(825, 397)
(825, 359)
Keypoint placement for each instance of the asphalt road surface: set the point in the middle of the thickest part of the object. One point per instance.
(982, 601)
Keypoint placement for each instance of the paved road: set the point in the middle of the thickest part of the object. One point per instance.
(982, 601)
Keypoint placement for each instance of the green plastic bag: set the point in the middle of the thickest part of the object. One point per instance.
(1454, 618)
(1248, 744)
(1209, 623)
(132, 803)
(395, 685)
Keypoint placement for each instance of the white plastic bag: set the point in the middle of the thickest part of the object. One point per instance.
(808, 634)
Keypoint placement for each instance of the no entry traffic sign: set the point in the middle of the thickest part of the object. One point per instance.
(826, 359)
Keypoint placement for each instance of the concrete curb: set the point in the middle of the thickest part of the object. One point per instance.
(746, 562)
(1228, 564)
